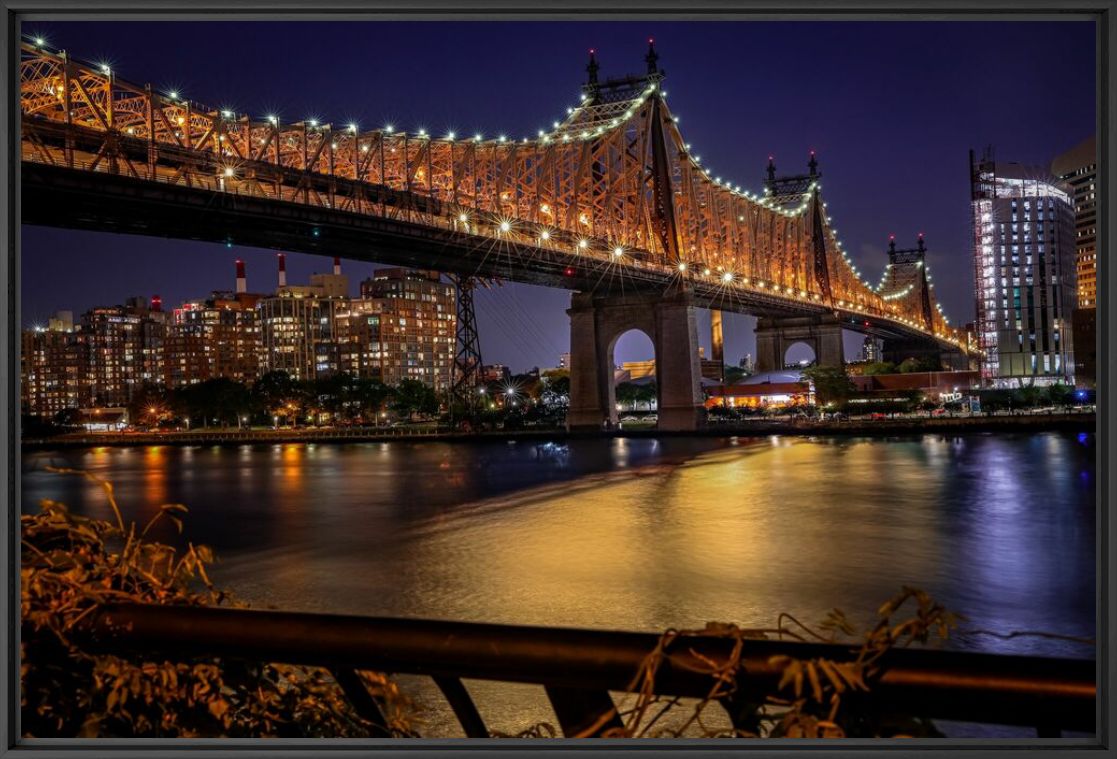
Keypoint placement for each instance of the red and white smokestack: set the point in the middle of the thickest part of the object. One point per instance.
(337, 265)
(282, 270)
(156, 303)
(242, 280)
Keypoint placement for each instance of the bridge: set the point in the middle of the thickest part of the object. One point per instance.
(610, 203)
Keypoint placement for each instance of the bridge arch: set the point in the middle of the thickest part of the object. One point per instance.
(798, 351)
(776, 337)
(641, 374)
(598, 323)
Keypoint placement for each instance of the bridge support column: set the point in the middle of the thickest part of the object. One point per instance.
(774, 336)
(671, 323)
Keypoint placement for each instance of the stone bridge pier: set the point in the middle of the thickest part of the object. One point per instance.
(669, 320)
(774, 336)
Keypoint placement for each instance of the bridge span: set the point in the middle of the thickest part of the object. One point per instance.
(610, 203)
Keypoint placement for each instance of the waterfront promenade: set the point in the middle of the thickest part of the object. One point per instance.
(860, 426)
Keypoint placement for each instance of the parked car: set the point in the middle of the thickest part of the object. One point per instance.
(877, 415)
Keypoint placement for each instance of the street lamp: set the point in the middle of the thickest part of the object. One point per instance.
(187, 420)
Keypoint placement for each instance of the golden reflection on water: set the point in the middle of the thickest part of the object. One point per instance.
(721, 536)
(154, 478)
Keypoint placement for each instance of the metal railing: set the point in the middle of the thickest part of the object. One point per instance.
(579, 668)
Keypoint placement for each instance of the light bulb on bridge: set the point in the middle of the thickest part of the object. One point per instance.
(618, 251)
(463, 218)
(682, 266)
(544, 235)
(505, 226)
(583, 244)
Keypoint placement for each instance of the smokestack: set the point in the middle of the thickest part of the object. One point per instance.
(282, 270)
(242, 280)
(337, 265)
(156, 303)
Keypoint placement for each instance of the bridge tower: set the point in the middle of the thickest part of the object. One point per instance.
(906, 280)
(823, 333)
(668, 318)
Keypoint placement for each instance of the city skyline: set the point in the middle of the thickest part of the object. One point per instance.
(895, 122)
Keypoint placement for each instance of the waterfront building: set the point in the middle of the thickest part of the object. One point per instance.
(418, 325)
(768, 390)
(711, 369)
(114, 343)
(217, 337)
(53, 368)
(496, 373)
(1024, 253)
(297, 325)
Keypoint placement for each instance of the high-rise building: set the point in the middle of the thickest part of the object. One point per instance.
(217, 337)
(1078, 168)
(298, 325)
(113, 338)
(53, 368)
(418, 325)
(1024, 269)
(871, 350)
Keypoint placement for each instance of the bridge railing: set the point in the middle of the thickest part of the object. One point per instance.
(579, 669)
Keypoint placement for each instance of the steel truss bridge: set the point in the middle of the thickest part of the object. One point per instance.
(611, 200)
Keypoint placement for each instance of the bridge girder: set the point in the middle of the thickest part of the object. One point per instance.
(574, 194)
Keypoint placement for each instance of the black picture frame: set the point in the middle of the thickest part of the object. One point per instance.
(1102, 12)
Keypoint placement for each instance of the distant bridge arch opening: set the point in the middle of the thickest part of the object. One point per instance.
(634, 387)
(800, 353)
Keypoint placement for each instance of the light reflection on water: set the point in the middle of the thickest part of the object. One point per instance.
(634, 534)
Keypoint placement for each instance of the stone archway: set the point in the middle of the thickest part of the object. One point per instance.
(775, 336)
(595, 325)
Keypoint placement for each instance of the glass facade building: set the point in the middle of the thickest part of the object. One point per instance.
(1024, 269)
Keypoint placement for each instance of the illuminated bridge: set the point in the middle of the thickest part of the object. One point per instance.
(610, 202)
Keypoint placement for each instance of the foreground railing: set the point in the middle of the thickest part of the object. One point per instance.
(579, 668)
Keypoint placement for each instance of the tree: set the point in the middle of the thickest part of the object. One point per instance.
(627, 393)
(556, 388)
(1061, 395)
(414, 397)
(878, 367)
(922, 364)
(277, 394)
(831, 383)
(149, 405)
(1029, 396)
(370, 397)
(221, 399)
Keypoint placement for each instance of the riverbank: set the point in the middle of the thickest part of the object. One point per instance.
(1074, 422)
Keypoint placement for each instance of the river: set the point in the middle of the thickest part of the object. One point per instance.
(638, 534)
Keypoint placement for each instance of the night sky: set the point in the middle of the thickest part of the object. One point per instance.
(891, 108)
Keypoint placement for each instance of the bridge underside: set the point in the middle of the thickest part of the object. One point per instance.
(60, 197)
(57, 196)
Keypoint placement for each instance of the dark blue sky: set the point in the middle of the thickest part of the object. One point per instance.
(891, 108)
